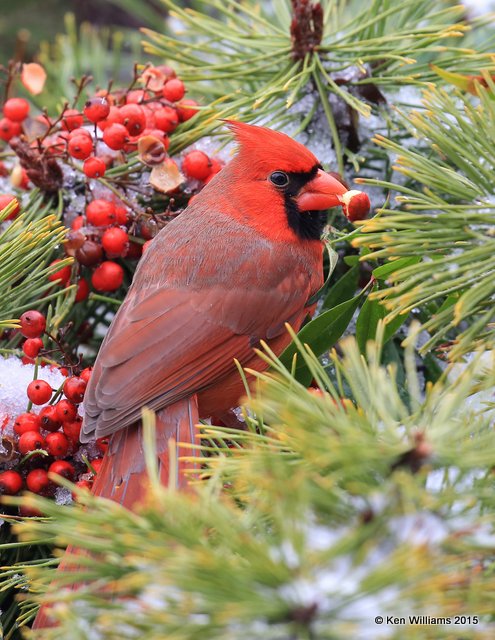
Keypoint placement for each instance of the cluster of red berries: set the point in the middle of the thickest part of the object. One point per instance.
(15, 111)
(45, 442)
(90, 142)
(86, 150)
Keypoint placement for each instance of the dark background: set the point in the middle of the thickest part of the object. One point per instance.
(26, 23)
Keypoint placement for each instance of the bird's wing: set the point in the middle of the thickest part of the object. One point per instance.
(173, 337)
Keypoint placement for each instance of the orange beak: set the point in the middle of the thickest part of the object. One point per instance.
(322, 192)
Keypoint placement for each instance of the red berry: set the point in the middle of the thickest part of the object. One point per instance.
(89, 254)
(73, 429)
(196, 164)
(39, 391)
(94, 167)
(57, 444)
(137, 96)
(96, 464)
(80, 147)
(166, 119)
(115, 241)
(133, 118)
(10, 483)
(29, 512)
(74, 388)
(186, 109)
(32, 346)
(356, 205)
(62, 276)
(102, 444)
(135, 251)
(114, 117)
(33, 323)
(16, 109)
(72, 120)
(9, 129)
(86, 373)
(115, 136)
(121, 215)
(6, 199)
(100, 213)
(30, 441)
(174, 90)
(27, 422)
(66, 410)
(158, 133)
(80, 131)
(62, 468)
(108, 276)
(215, 167)
(77, 223)
(96, 109)
(49, 418)
(37, 481)
(82, 290)
(85, 485)
(166, 71)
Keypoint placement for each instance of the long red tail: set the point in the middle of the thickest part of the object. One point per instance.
(123, 477)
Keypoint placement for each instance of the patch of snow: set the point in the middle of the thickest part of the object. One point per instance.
(477, 8)
(14, 379)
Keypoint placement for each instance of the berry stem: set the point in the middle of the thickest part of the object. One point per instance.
(65, 354)
(119, 194)
(80, 85)
(32, 453)
(58, 394)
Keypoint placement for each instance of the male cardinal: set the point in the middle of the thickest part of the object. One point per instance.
(241, 261)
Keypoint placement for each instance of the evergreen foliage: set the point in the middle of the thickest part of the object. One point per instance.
(327, 511)
(372, 492)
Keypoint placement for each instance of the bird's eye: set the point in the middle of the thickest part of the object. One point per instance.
(279, 178)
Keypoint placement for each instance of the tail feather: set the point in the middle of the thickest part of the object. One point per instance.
(123, 478)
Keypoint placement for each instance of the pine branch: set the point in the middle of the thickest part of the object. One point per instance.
(243, 53)
(327, 504)
(443, 230)
(26, 247)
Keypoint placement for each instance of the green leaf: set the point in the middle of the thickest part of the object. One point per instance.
(382, 272)
(393, 326)
(371, 312)
(321, 334)
(449, 301)
(343, 289)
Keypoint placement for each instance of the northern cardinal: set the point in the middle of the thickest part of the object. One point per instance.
(241, 261)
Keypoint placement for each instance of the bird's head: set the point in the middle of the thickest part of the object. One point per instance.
(278, 170)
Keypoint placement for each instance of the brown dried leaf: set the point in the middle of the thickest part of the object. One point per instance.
(151, 150)
(166, 177)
